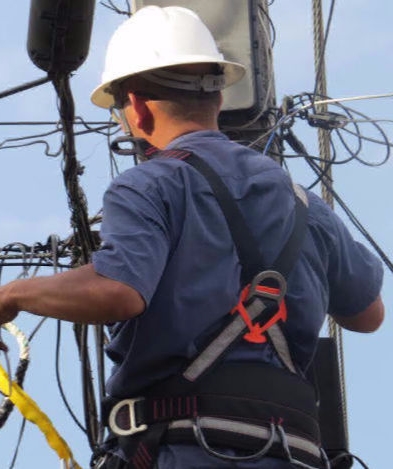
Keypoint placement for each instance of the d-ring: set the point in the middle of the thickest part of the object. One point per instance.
(198, 433)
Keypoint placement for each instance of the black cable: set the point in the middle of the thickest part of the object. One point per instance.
(100, 342)
(345, 455)
(299, 148)
(326, 171)
(385, 142)
(88, 397)
(36, 329)
(84, 239)
(59, 383)
(16, 451)
(48, 152)
(78, 121)
(32, 264)
(322, 176)
(36, 142)
(14, 254)
(72, 169)
(114, 169)
(92, 130)
(113, 7)
(102, 125)
(370, 139)
(272, 27)
(339, 133)
(24, 87)
(353, 218)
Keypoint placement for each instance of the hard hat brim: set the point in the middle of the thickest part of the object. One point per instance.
(233, 72)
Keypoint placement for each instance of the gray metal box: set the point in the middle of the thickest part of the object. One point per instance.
(234, 25)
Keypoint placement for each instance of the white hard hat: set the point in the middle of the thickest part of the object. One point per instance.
(154, 38)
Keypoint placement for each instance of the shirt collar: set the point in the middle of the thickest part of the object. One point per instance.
(190, 137)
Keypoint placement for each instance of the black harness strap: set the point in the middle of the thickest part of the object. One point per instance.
(250, 257)
(253, 264)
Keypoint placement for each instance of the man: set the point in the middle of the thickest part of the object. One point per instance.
(168, 272)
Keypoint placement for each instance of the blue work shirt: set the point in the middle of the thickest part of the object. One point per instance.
(164, 234)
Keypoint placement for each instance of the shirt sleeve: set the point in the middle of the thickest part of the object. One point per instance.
(135, 241)
(354, 273)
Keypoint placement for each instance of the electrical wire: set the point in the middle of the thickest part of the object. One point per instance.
(18, 443)
(59, 381)
(82, 232)
(344, 456)
(111, 6)
(54, 243)
(300, 111)
(299, 148)
(272, 27)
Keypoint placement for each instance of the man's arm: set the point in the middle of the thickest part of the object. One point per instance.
(79, 295)
(367, 320)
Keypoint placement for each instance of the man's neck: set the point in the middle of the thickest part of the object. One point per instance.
(166, 134)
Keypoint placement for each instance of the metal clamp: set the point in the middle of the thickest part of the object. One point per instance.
(133, 427)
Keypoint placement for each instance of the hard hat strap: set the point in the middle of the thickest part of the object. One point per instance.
(208, 83)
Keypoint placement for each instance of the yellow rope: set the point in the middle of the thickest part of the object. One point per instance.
(31, 411)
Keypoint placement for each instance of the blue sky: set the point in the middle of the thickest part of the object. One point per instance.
(33, 203)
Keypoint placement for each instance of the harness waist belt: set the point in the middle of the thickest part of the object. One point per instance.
(245, 436)
(238, 405)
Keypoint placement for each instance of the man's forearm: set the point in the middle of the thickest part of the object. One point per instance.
(79, 295)
(368, 320)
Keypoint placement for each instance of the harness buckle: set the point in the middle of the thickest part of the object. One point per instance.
(247, 307)
(273, 293)
(131, 419)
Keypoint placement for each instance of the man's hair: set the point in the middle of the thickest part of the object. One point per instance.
(191, 105)
(179, 104)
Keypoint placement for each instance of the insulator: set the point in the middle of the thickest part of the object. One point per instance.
(59, 33)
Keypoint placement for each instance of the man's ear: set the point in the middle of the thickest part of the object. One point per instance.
(143, 117)
(221, 101)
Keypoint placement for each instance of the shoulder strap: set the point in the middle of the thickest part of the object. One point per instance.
(252, 263)
(250, 257)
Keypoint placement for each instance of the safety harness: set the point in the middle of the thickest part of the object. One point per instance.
(251, 406)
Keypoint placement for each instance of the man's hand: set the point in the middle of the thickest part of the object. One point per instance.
(8, 310)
